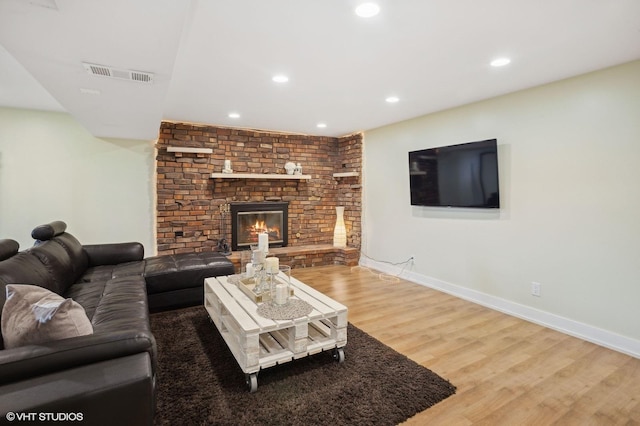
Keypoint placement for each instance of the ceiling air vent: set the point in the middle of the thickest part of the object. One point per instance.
(104, 71)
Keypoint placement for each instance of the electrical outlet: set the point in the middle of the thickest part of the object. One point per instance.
(536, 289)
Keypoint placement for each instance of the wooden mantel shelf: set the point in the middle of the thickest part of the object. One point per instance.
(345, 174)
(189, 150)
(258, 176)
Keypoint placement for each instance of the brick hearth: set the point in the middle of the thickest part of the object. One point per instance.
(190, 203)
(308, 256)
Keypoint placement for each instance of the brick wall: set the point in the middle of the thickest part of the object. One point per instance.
(190, 203)
(349, 189)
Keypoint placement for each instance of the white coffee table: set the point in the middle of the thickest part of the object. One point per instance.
(257, 342)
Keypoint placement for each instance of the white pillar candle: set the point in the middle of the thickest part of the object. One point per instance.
(250, 270)
(263, 242)
(281, 294)
(227, 164)
(272, 265)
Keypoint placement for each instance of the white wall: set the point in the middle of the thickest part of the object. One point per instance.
(51, 168)
(569, 155)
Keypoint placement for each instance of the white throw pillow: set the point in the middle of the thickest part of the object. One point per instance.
(33, 315)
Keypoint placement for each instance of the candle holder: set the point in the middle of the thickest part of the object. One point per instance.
(257, 260)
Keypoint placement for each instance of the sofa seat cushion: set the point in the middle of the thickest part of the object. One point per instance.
(88, 295)
(185, 270)
(108, 272)
(123, 306)
(34, 315)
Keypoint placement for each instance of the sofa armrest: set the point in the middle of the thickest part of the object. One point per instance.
(115, 392)
(113, 254)
(35, 360)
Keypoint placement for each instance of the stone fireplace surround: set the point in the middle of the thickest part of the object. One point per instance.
(192, 207)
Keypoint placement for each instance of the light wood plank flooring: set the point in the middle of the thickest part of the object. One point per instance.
(507, 371)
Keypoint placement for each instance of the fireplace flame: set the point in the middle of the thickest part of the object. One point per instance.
(251, 225)
(261, 226)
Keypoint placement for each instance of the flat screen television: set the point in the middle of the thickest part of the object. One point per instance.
(464, 175)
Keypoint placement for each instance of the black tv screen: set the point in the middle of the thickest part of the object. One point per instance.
(464, 175)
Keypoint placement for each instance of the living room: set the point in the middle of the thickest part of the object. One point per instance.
(567, 218)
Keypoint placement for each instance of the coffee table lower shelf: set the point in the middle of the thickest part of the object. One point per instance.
(258, 343)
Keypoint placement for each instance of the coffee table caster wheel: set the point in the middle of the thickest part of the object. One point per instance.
(338, 355)
(252, 382)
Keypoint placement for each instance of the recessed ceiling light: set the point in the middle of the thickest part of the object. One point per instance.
(367, 10)
(280, 78)
(234, 115)
(321, 125)
(500, 62)
(392, 99)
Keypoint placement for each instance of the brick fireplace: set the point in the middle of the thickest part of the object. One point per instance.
(193, 211)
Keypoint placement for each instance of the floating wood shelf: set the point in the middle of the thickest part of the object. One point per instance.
(189, 150)
(345, 174)
(258, 176)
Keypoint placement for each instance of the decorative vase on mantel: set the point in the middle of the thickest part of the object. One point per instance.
(340, 232)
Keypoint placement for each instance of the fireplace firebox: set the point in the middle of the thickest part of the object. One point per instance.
(250, 219)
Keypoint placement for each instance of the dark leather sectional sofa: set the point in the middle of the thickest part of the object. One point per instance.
(108, 376)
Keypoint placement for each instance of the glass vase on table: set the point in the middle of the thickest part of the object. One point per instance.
(280, 286)
(257, 261)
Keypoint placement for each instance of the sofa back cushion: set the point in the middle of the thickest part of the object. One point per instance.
(77, 255)
(55, 232)
(24, 268)
(8, 248)
(57, 262)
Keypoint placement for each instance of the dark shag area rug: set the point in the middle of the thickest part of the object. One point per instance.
(200, 382)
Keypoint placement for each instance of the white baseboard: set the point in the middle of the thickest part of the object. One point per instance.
(568, 326)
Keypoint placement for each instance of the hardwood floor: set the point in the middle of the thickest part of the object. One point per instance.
(507, 371)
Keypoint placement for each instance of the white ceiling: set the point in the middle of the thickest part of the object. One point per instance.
(213, 57)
